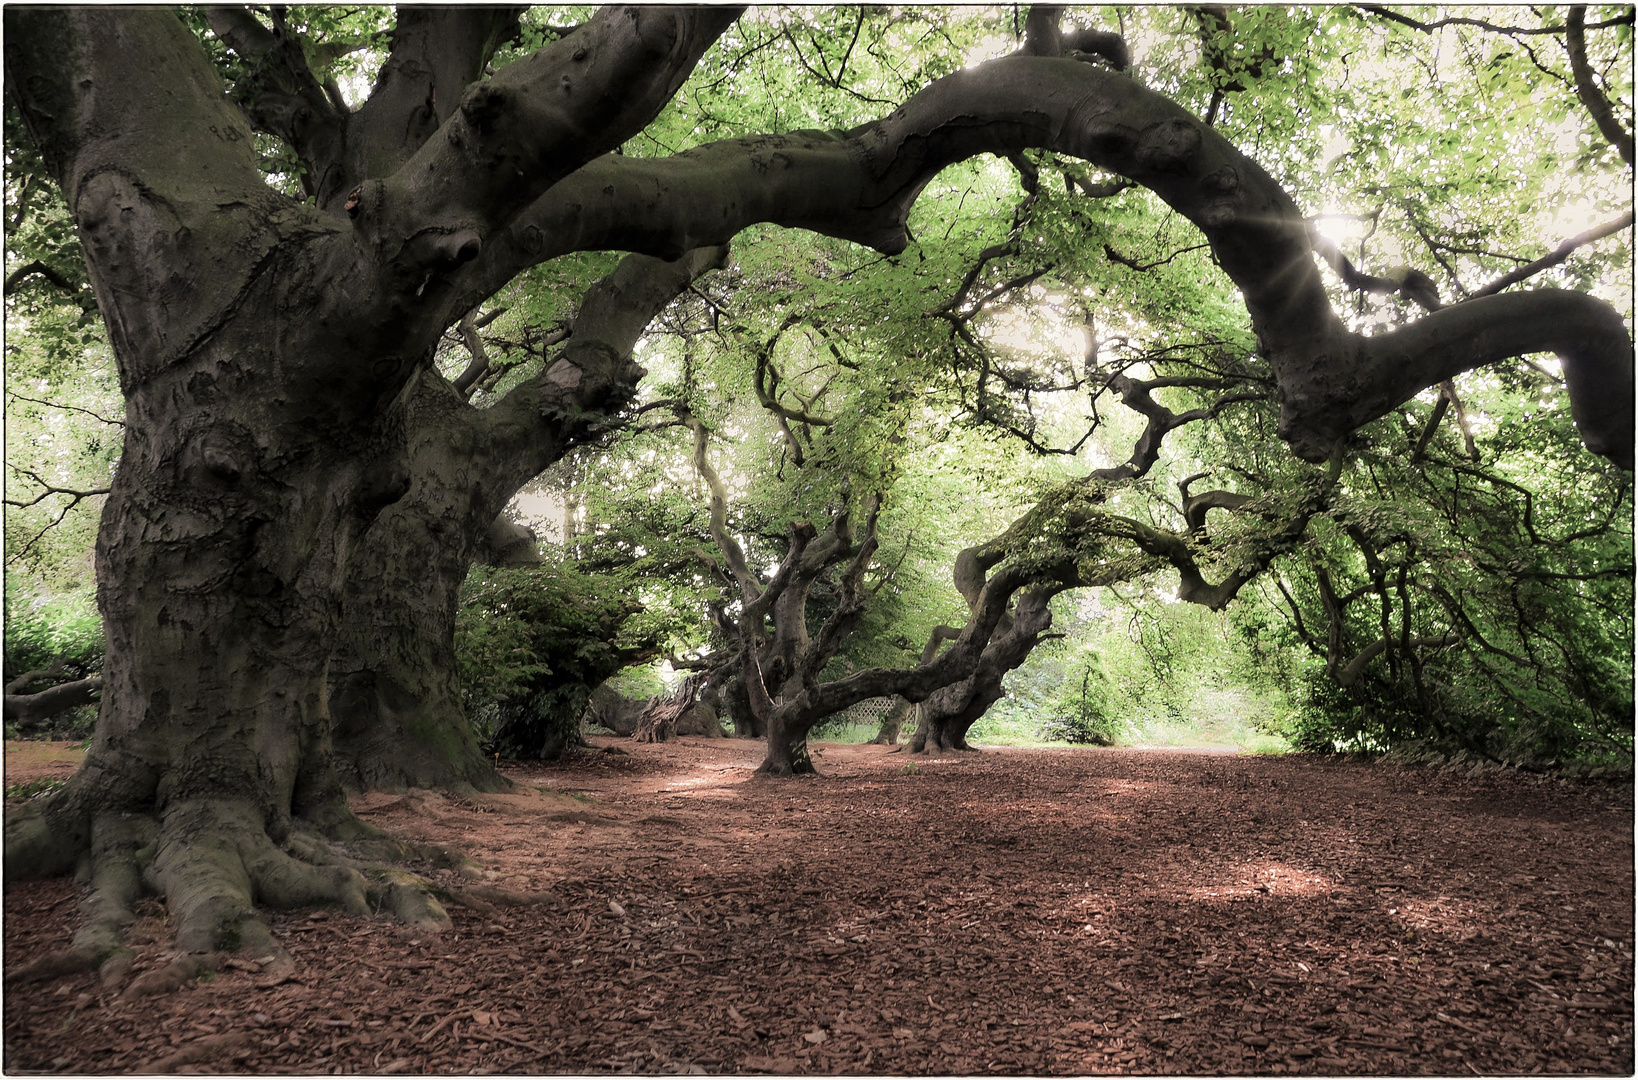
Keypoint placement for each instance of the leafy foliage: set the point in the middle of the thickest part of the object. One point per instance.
(531, 644)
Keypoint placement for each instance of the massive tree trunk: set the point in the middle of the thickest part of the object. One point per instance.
(893, 722)
(395, 692)
(399, 721)
(264, 347)
(257, 450)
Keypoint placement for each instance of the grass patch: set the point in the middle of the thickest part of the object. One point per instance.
(34, 788)
(851, 732)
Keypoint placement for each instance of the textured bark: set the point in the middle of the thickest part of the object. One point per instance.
(264, 347)
(399, 721)
(435, 53)
(690, 709)
(395, 695)
(240, 493)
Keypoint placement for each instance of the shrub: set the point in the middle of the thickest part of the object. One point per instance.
(531, 644)
(1083, 710)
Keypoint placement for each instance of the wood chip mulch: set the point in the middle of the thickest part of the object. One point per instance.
(1041, 912)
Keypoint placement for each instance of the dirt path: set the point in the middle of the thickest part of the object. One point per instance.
(1015, 911)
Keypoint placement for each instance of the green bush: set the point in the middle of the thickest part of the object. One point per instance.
(531, 644)
(41, 629)
(1083, 711)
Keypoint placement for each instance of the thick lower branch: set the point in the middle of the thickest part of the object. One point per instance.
(1586, 333)
(860, 185)
(31, 710)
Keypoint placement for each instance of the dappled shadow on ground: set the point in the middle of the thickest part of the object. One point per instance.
(1013, 911)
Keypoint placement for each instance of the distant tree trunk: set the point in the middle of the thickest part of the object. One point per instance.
(736, 702)
(888, 735)
(703, 716)
(950, 712)
(892, 721)
(690, 709)
(608, 708)
(787, 743)
(658, 722)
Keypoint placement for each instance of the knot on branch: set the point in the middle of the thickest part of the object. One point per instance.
(482, 105)
(1104, 44)
(1222, 188)
(381, 485)
(1169, 146)
(1044, 37)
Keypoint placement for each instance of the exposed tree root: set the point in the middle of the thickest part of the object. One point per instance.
(173, 976)
(216, 864)
(491, 897)
(200, 1051)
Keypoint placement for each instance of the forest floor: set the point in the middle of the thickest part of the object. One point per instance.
(1007, 912)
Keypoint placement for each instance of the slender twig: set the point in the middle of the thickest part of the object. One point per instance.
(1430, 27)
(50, 489)
(1116, 256)
(74, 408)
(1558, 255)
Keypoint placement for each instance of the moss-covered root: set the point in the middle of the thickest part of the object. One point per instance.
(38, 844)
(120, 845)
(410, 900)
(214, 861)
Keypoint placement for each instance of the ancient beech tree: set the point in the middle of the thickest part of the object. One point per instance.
(271, 351)
(771, 651)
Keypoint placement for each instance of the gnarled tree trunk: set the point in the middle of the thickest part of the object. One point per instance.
(263, 347)
(399, 721)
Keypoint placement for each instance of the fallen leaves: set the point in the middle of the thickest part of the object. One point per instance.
(789, 927)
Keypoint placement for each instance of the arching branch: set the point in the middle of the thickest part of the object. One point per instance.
(1429, 27)
(860, 184)
(579, 393)
(1586, 87)
(1557, 255)
(733, 555)
(35, 267)
(534, 122)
